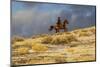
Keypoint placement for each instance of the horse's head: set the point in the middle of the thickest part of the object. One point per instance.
(51, 27)
(66, 21)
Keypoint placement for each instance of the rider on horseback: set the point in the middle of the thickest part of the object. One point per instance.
(59, 24)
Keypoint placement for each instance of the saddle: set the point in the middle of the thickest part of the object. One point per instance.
(59, 25)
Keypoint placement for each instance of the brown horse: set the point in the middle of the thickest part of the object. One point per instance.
(59, 25)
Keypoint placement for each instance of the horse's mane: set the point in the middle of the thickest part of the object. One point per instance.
(66, 21)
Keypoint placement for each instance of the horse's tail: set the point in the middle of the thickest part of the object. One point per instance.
(51, 27)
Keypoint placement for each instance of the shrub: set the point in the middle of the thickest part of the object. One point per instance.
(17, 39)
(84, 34)
(74, 44)
(60, 59)
(22, 50)
(21, 44)
(39, 36)
(71, 38)
(63, 39)
(67, 33)
(43, 35)
(93, 30)
(59, 40)
(84, 30)
(59, 33)
(39, 47)
(76, 31)
(47, 39)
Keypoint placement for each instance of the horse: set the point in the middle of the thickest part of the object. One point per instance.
(59, 26)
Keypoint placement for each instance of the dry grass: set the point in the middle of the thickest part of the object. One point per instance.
(17, 38)
(47, 39)
(38, 47)
(77, 45)
(59, 39)
(63, 39)
(22, 50)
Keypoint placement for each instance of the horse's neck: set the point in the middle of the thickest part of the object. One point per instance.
(64, 24)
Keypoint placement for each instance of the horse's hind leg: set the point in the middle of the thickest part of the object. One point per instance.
(57, 30)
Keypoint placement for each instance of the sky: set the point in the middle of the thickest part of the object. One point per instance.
(32, 18)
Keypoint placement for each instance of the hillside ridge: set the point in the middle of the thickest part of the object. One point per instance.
(73, 46)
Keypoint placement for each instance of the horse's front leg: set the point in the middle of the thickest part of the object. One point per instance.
(65, 29)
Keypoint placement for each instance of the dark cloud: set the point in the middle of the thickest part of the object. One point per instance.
(33, 21)
(79, 16)
(29, 22)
